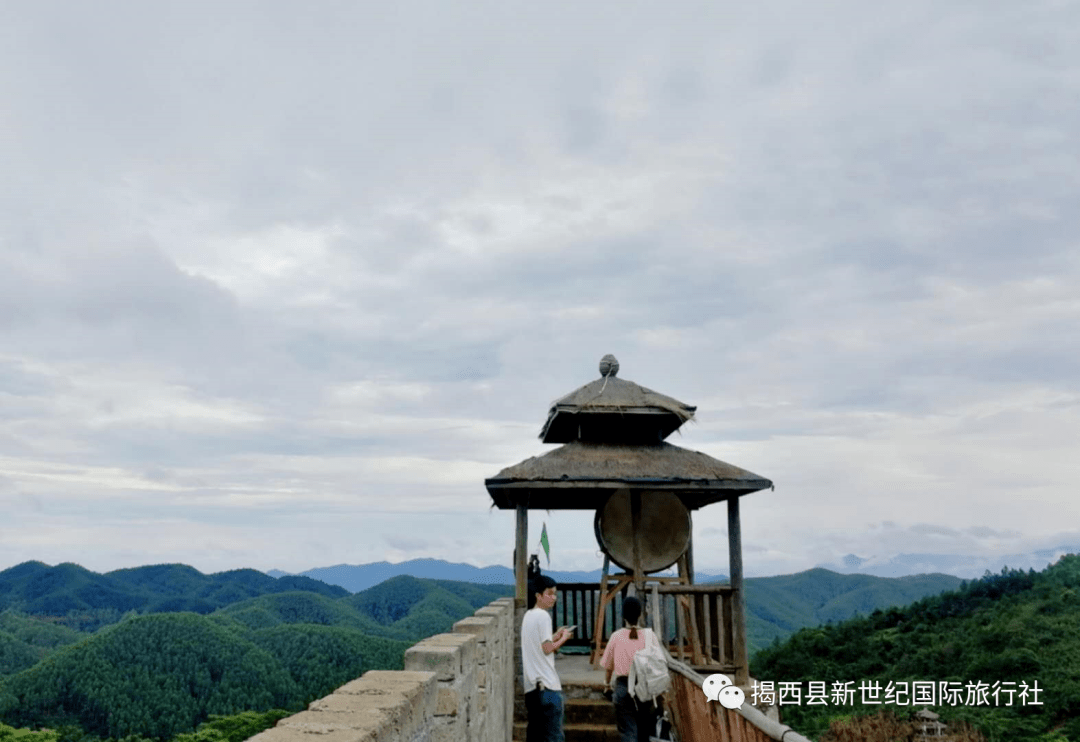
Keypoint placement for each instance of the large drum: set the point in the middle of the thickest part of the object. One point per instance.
(663, 529)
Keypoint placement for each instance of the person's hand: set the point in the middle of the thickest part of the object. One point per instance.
(609, 694)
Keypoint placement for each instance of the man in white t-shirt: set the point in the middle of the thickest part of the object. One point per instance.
(543, 691)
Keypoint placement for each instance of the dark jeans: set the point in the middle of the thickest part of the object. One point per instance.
(636, 721)
(545, 709)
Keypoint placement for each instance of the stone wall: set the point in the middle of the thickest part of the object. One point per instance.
(455, 687)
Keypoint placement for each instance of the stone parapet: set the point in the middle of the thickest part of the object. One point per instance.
(456, 687)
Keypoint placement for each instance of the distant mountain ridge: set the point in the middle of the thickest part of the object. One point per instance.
(39, 589)
(966, 566)
(778, 606)
(85, 600)
(775, 606)
(157, 675)
(1009, 629)
(357, 577)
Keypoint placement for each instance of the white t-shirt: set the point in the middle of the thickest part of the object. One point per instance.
(537, 666)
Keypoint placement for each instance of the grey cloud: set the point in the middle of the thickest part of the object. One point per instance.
(406, 544)
(821, 218)
(985, 532)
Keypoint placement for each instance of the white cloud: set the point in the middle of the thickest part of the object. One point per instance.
(299, 280)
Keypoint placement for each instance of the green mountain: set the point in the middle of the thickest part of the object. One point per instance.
(179, 581)
(161, 674)
(778, 606)
(269, 611)
(67, 593)
(36, 588)
(415, 608)
(86, 600)
(25, 641)
(165, 671)
(322, 658)
(1008, 631)
(151, 675)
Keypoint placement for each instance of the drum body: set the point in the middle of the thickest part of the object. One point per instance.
(662, 533)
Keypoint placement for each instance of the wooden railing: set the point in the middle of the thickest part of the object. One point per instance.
(696, 621)
(579, 604)
(696, 719)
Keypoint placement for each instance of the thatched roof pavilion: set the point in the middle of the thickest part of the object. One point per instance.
(581, 475)
(613, 431)
(614, 461)
(614, 410)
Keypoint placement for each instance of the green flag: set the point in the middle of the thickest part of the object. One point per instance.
(544, 543)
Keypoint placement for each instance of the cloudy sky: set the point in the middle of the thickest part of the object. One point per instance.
(281, 283)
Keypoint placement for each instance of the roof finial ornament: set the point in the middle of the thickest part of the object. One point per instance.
(609, 365)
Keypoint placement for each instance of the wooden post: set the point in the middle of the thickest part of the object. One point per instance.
(655, 614)
(520, 557)
(635, 528)
(601, 615)
(738, 610)
(690, 550)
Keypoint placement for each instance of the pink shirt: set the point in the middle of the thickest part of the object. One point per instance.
(619, 652)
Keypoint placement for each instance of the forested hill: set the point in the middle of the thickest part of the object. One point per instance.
(72, 596)
(778, 606)
(1002, 630)
(159, 648)
(162, 674)
(83, 599)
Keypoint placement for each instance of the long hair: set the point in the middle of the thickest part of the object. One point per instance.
(631, 612)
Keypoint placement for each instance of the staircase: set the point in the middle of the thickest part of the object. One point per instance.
(587, 720)
(589, 717)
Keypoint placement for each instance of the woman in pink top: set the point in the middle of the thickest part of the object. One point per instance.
(636, 720)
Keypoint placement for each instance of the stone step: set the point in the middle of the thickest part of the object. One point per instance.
(589, 717)
(579, 711)
(589, 711)
(586, 720)
(577, 732)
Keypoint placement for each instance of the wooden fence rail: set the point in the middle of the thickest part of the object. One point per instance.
(696, 622)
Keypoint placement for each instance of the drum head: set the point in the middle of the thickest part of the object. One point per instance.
(663, 530)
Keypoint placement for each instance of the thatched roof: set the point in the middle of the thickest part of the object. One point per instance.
(581, 476)
(614, 410)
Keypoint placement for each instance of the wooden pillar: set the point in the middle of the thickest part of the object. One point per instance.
(690, 549)
(635, 529)
(520, 557)
(738, 605)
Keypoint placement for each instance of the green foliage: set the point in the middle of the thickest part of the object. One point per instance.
(391, 600)
(61, 591)
(86, 601)
(160, 675)
(1009, 627)
(322, 658)
(153, 676)
(434, 614)
(16, 655)
(476, 595)
(25, 641)
(778, 606)
(36, 632)
(235, 728)
(299, 607)
(414, 608)
(11, 734)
